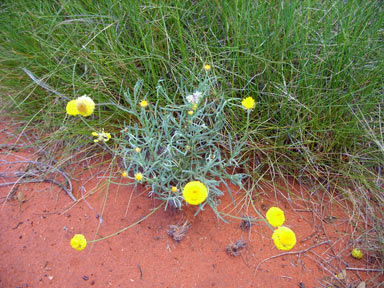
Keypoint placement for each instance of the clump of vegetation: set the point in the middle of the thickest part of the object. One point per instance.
(181, 151)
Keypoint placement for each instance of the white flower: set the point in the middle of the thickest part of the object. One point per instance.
(194, 98)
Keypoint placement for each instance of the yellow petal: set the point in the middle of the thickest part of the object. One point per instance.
(71, 108)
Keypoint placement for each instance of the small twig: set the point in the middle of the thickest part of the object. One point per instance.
(364, 269)
(62, 173)
(89, 205)
(141, 271)
(36, 181)
(290, 253)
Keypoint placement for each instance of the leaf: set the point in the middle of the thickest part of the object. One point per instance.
(229, 192)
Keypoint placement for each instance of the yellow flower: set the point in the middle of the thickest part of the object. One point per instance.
(143, 103)
(284, 238)
(190, 112)
(194, 106)
(275, 216)
(101, 136)
(356, 253)
(137, 150)
(207, 67)
(138, 176)
(83, 105)
(174, 189)
(78, 242)
(195, 192)
(248, 103)
(124, 174)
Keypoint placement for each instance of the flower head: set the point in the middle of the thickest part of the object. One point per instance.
(356, 253)
(174, 189)
(207, 67)
(194, 98)
(83, 105)
(124, 174)
(275, 216)
(144, 103)
(284, 238)
(248, 103)
(195, 192)
(190, 112)
(137, 150)
(78, 242)
(102, 136)
(138, 177)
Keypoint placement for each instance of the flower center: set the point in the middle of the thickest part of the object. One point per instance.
(82, 107)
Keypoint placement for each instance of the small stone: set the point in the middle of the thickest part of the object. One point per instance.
(301, 285)
(50, 278)
(85, 278)
(92, 282)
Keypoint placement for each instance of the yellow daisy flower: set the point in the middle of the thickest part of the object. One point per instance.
(143, 103)
(174, 189)
(137, 150)
(248, 103)
(195, 192)
(138, 177)
(275, 216)
(78, 242)
(284, 238)
(207, 67)
(124, 174)
(103, 136)
(190, 112)
(356, 253)
(83, 105)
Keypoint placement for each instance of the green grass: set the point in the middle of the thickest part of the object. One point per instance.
(315, 69)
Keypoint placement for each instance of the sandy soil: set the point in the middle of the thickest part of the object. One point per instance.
(39, 219)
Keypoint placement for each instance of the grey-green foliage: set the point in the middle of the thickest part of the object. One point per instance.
(177, 147)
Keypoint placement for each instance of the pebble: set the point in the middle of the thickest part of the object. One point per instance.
(85, 278)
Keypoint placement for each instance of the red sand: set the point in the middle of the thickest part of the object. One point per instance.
(35, 235)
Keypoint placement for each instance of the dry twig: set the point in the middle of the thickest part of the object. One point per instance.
(291, 253)
(67, 190)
